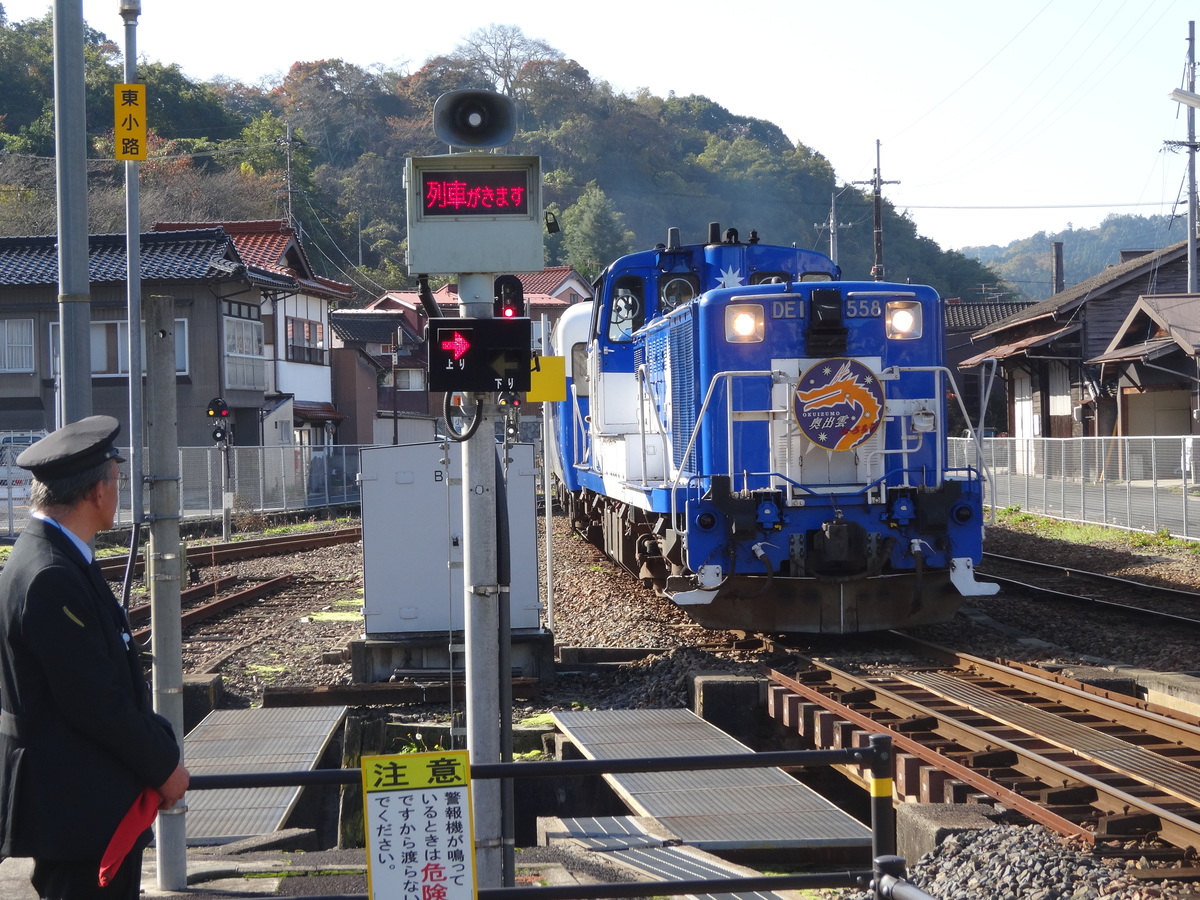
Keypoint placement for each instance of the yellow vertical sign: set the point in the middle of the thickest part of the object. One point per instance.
(129, 121)
(547, 380)
(420, 840)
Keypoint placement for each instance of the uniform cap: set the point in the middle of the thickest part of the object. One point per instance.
(72, 449)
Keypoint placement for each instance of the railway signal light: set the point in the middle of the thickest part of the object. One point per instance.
(218, 411)
(510, 405)
(509, 302)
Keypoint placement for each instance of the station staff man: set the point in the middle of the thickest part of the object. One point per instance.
(78, 738)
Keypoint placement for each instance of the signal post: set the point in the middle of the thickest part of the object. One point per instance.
(474, 215)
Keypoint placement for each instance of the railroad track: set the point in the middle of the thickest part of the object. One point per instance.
(215, 554)
(1080, 761)
(1122, 595)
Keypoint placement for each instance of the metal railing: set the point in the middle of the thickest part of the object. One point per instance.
(256, 480)
(1141, 483)
(1137, 483)
(885, 877)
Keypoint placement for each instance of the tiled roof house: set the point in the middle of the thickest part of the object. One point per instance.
(1056, 355)
(208, 281)
(294, 303)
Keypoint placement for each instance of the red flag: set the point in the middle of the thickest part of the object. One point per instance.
(139, 817)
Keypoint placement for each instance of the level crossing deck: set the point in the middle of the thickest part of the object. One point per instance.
(720, 809)
(235, 741)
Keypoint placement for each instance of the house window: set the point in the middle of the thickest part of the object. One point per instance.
(16, 345)
(305, 341)
(110, 348)
(409, 379)
(245, 367)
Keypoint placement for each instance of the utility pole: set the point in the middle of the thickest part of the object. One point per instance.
(1190, 100)
(287, 142)
(877, 184)
(70, 163)
(163, 571)
(1191, 139)
(833, 225)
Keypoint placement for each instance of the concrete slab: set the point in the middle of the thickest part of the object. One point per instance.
(921, 827)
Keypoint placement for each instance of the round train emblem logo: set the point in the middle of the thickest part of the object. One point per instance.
(838, 403)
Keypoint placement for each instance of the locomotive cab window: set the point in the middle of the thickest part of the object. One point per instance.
(675, 290)
(579, 373)
(627, 308)
(770, 278)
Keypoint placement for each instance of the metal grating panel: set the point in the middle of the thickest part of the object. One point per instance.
(715, 810)
(252, 740)
(673, 864)
(606, 833)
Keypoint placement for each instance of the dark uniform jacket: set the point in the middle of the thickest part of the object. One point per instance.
(78, 737)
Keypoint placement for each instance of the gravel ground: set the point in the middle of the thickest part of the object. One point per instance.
(281, 640)
(294, 636)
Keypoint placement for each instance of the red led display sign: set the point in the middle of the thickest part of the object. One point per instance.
(484, 193)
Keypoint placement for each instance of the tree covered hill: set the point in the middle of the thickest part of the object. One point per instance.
(1026, 264)
(326, 144)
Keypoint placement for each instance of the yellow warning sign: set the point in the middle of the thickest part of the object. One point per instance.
(420, 839)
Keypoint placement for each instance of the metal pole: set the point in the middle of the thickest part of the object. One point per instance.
(481, 611)
(883, 823)
(130, 10)
(74, 400)
(166, 633)
(547, 496)
(1191, 136)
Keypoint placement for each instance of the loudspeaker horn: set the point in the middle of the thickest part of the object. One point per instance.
(481, 119)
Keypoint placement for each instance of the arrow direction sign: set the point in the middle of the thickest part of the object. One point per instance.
(479, 355)
(505, 364)
(457, 345)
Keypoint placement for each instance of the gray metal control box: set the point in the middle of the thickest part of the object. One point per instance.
(412, 516)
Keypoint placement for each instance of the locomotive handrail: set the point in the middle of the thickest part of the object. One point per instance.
(643, 393)
(939, 447)
(581, 445)
(712, 386)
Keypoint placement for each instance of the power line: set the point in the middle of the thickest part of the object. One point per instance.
(1031, 206)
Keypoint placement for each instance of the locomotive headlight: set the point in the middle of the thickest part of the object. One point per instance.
(904, 320)
(744, 323)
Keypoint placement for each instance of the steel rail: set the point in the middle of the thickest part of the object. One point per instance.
(208, 610)
(901, 742)
(1174, 828)
(1099, 576)
(1119, 709)
(1097, 601)
(212, 554)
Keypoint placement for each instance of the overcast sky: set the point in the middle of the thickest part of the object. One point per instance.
(996, 121)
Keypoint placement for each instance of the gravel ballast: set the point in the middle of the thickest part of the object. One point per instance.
(281, 641)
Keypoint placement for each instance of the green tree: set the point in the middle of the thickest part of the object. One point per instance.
(180, 107)
(594, 233)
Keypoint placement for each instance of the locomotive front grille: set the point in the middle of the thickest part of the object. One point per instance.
(683, 387)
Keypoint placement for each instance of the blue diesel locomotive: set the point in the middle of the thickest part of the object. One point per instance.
(764, 443)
